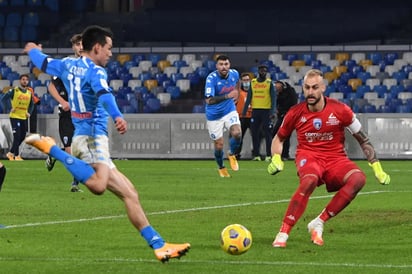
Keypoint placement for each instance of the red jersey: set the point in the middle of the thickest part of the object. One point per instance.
(320, 133)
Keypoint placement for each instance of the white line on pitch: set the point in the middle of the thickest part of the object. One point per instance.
(171, 211)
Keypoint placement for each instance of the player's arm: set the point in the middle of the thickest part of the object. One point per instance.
(55, 94)
(41, 60)
(362, 138)
(276, 165)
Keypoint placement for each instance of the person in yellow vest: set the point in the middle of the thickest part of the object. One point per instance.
(262, 97)
(240, 104)
(21, 107)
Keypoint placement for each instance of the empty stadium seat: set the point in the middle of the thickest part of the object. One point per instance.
(275, 57)
(123, 58)
(186, 70)
(150, 83)
(366, 63)
(342, 57)
(164, 98)
(323, 57)
(373, 69)
(115, 84)
(162, 64)
(340, 69)
(358, 56)
(354, 83)
(173, 57)
(336, 95)
(145, 65)
(183, 84)
(170, 70)
(188, 57)
(135, 71)
(40, 90)
(196, 64)
(389, 82)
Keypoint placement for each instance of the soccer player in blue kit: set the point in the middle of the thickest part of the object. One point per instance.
(221, 92)
(91, 103)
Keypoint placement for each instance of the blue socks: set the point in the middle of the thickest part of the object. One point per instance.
(152, 237)
(234, 144)
(80, 170)
(219, 158)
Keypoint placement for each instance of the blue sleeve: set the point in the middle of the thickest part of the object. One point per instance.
(109, 103)
(45, 63)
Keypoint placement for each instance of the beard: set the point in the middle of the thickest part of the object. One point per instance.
(312, 103)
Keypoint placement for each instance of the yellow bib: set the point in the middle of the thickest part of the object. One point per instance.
(20, 104)
(261, 94)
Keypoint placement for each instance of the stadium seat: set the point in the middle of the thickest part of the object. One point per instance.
(11, 34)
(115, 84)
(354, 83)
(389, 82)
(31, 19)
(403, 109)
(366, 63)
(297, 64)
(172, 57)
(4, 83)
(380, 90)
(198, 109)
(188, 57)
(123, 58)
(382, 75)
(174, 92)
(340, 69)
(145, 65)
(170, 70)
(196, 64)
(150, 83)
(391, 57)
(323, 57)
(176, 76)
(162, 64)
(336, 95)
(368, 108)
(43, 77)
(153, 105)
(358, 56)
(373, 69)
(164, 98)
(14, 19)
(399, 76)
(135, 71)
(183, 84)
(404, 95)
(342, 57)
(390, 69)
(145, 76)
(275, 57)
(40, 90)
(155, 58)
(375, 57)
(185, 70)
(363, 76)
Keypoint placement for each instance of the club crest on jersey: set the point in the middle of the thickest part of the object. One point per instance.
(317, 123)
(302, 162)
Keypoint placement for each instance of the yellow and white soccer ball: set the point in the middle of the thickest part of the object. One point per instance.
(235, 239)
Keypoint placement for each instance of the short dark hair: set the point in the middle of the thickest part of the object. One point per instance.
(93, 35)
(222, 58)
(262, 66)
(76, 38)
(24, 75)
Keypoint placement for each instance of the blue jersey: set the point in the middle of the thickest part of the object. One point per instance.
(216, 86)
(85, 82)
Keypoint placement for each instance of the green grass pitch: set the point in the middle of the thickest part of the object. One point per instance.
(48, 229)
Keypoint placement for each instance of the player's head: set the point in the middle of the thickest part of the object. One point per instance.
(24, 80)
(245, 81)
(313, 86)
(223, 65)
(280, 85)
(77, 46)
(97, 44)
(262, 71)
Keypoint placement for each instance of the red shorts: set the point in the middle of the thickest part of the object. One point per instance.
(330, 171)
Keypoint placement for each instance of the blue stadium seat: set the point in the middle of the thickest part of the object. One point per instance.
(155, 58)
(375, 57)
(198, 109)
(28, 33)
(202, 72)
(174, 92)
(128, 109)
(367, 108)
(403, 109)
(2, 21)
(391, 57)
(381, 90)
(384, 109)
(361, 90)
(16, 3)
(14, 19)
(363, 75)
(399, 76)
(138, 57)
(31, 19)
(52, 5)
(152, 105)
(34, 4)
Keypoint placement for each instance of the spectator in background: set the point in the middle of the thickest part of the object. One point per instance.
(221, 92)
(240, 104)
(66, 127)
(19, 101)
(262, 97)
(286, 98)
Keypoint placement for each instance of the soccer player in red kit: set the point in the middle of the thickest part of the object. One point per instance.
(320, 124)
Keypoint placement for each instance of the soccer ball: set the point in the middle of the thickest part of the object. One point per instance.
(235, 239)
